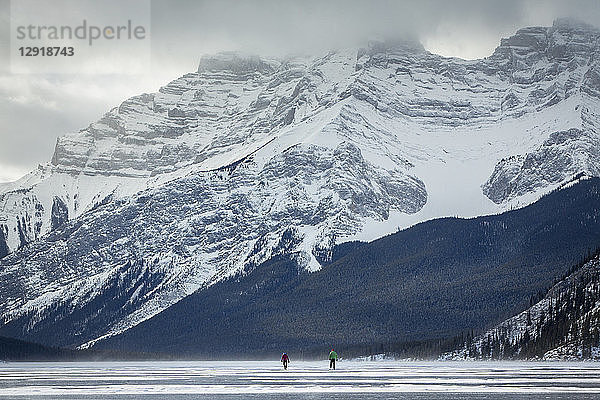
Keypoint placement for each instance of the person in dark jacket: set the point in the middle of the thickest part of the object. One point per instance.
(332, 358)
(285, 360)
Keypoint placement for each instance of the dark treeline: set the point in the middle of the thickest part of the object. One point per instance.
(430, 349)
(421, 350)
(19, 350)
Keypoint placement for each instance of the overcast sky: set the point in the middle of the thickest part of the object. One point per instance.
(36, 108)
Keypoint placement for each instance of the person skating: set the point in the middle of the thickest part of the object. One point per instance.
(285, 360)
(332, 357)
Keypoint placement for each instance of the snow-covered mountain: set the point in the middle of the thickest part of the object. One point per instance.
(175, 190)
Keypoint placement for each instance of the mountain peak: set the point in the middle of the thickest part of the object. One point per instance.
(409, 44)
(565, 39)
(235, 62)
(570, 23)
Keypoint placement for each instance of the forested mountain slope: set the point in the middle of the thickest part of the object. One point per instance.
(563, 325)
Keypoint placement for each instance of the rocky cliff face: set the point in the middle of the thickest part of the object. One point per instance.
(561, 61)
(194, 182)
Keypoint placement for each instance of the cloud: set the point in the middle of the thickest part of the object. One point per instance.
(8, 172)
(284, 26)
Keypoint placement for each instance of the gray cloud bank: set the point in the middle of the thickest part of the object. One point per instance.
(276, 27)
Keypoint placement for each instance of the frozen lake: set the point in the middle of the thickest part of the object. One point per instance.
(303, 380)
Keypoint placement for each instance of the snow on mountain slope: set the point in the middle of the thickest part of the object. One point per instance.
(217, 169)
(45, 199)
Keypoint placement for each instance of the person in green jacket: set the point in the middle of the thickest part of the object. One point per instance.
(332, 357)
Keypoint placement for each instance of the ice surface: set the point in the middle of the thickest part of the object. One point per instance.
(267, 379)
